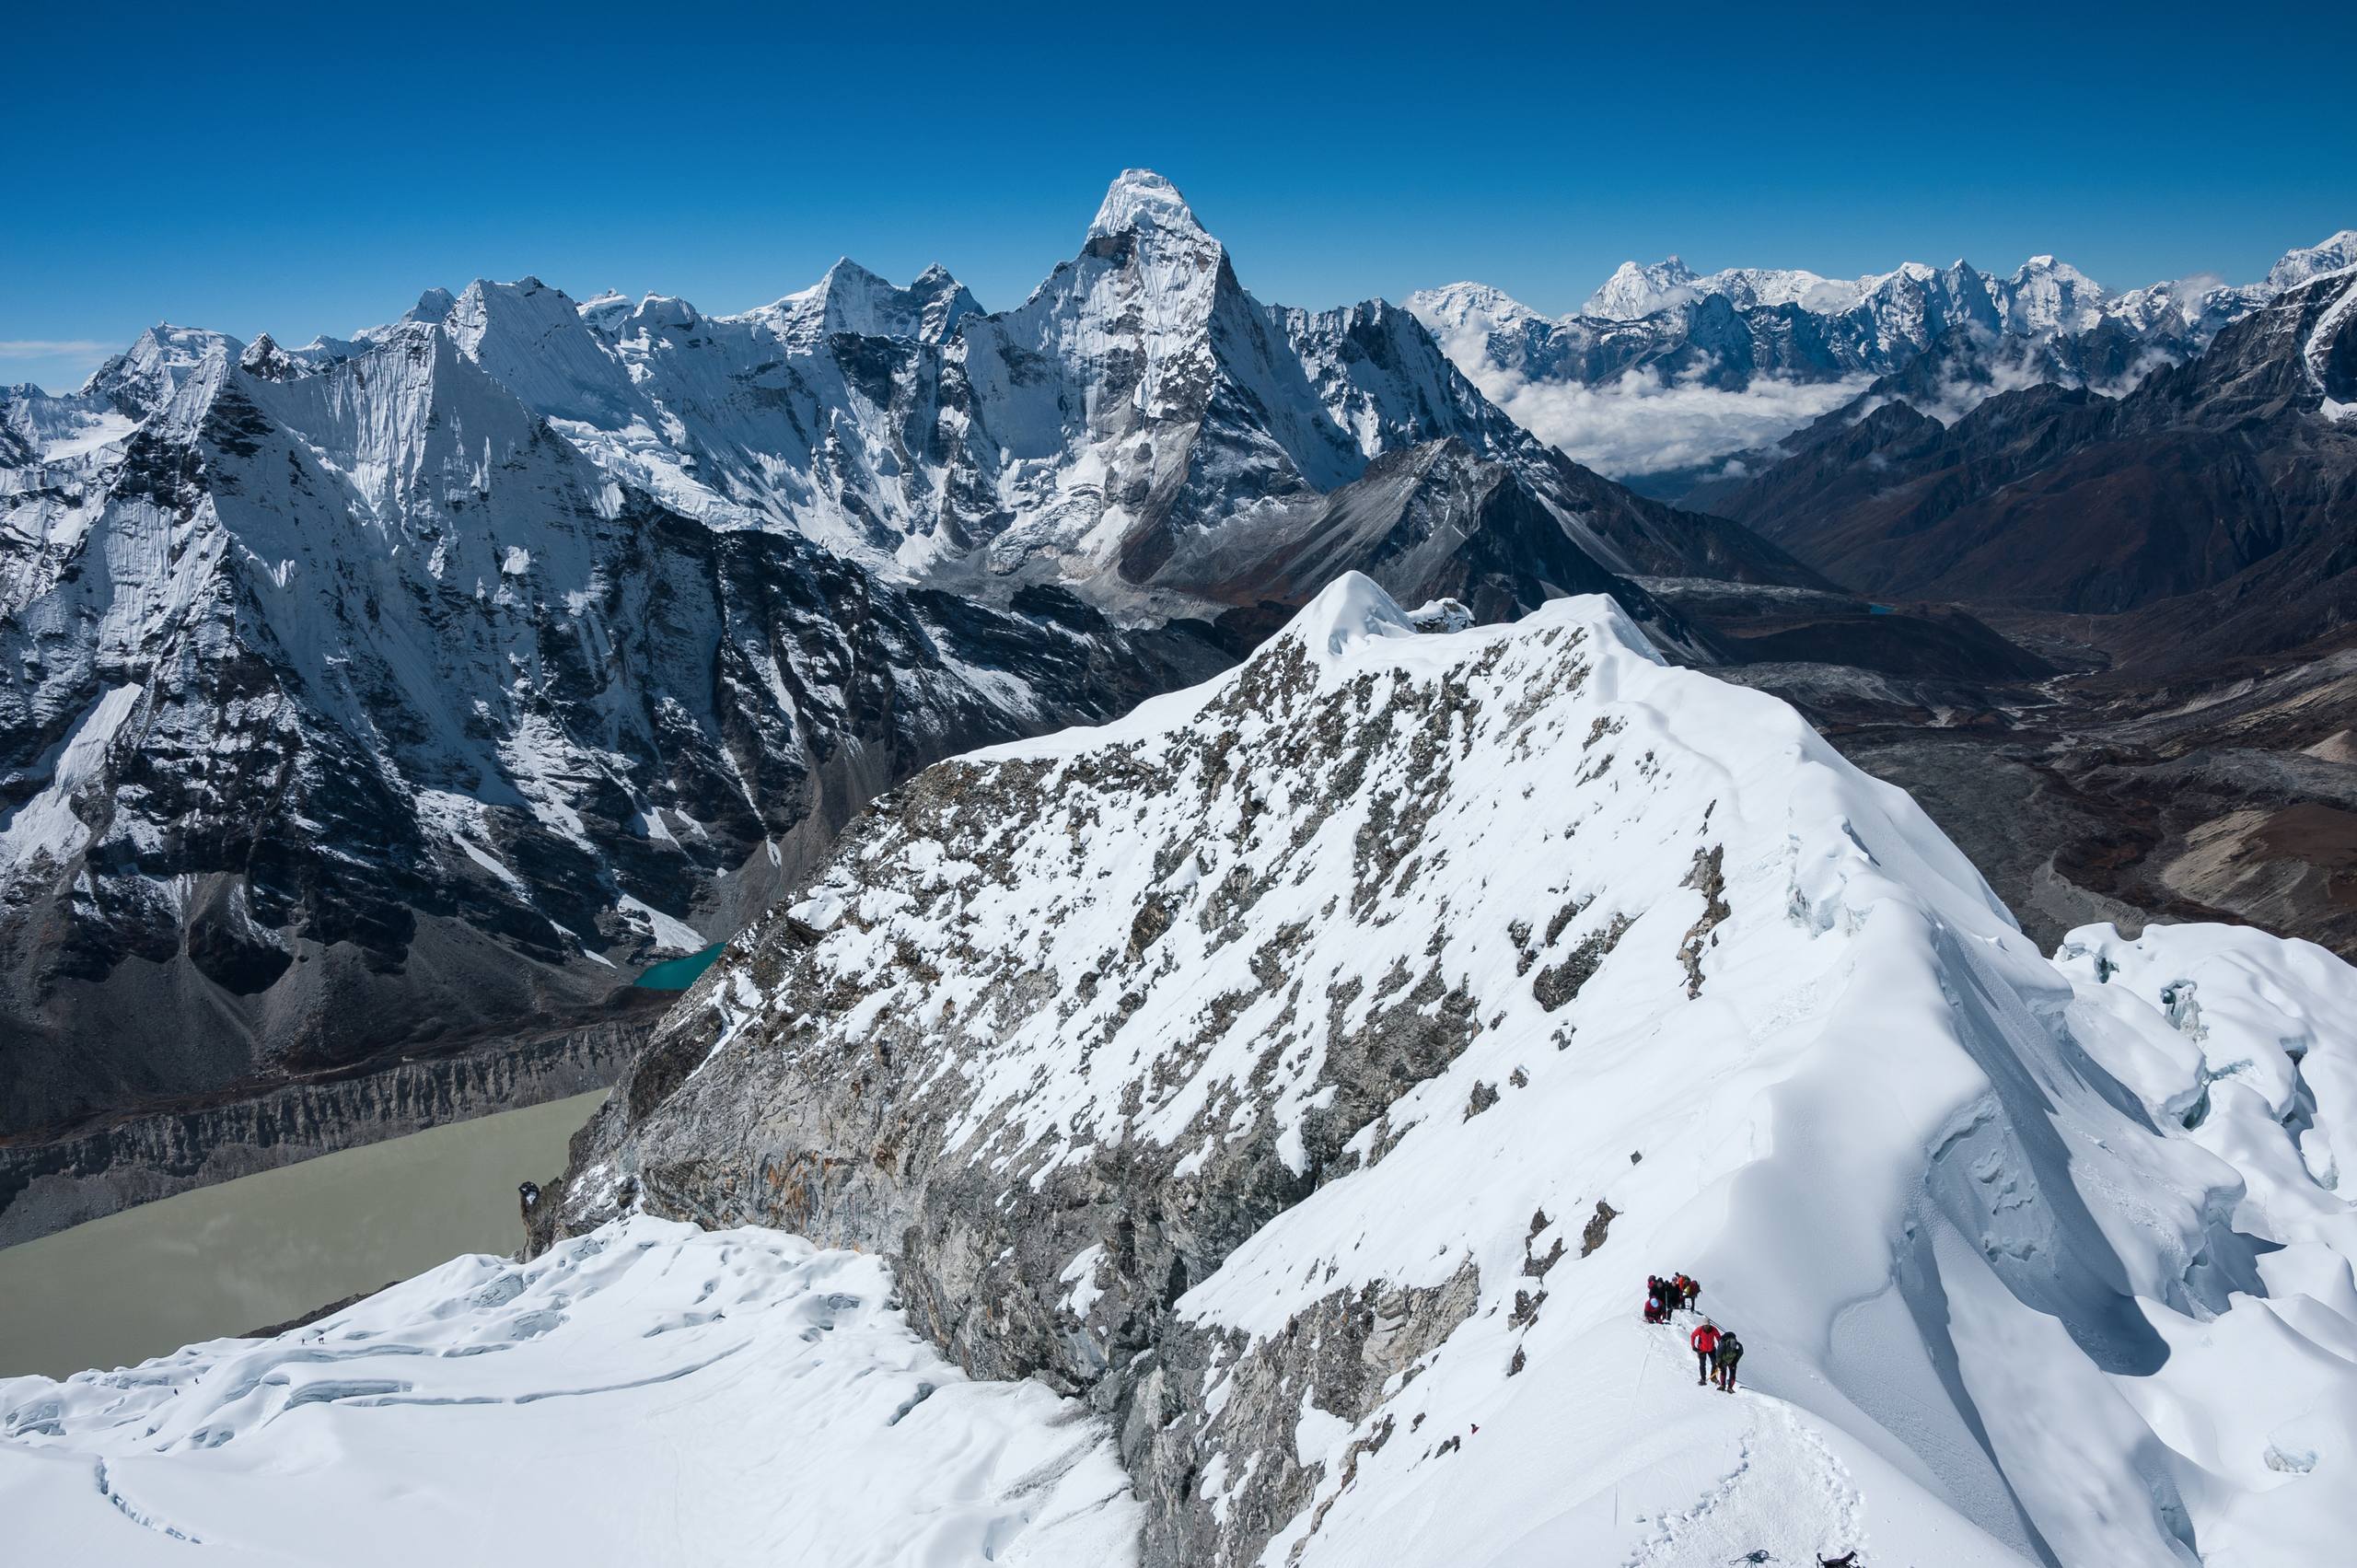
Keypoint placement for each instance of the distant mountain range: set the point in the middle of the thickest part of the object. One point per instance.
(2229, 480)
(1759, 337)
(379, 694)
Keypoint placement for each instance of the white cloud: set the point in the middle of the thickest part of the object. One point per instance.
(1641, 423)
(52, 348)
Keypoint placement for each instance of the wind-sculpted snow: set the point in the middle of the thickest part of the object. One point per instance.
(1307, 1069)
(651, 1393)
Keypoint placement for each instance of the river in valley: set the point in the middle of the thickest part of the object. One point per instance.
(268, 1247)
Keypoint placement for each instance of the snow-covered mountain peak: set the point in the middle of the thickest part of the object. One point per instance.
(607, 311)
(1634, 292)
(150, 372)
(851, 298)
(1319, 1059)
(2298, 266)
(264, 358)
(2048, 297)
(1351, 611)
(526, 300)
(1469, 307)
(1140, 199)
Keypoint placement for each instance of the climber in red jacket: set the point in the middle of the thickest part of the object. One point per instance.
(1705, 1340)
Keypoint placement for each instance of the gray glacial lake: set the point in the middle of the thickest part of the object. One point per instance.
(273, 1246)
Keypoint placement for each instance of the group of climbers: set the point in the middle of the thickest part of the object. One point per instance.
(1666, 1293)
(1716, 1350)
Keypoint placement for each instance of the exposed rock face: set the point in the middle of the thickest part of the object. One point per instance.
(1247, 1068)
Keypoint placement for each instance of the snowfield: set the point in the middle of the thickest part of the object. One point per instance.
(650, 1394)
(1304, 1073)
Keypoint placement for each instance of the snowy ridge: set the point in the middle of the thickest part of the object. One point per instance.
(1274, 1058)
(730, 1397)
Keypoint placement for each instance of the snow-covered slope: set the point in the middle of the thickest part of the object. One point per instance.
(1308, 1068)
(1710, 364)
(654, 1394)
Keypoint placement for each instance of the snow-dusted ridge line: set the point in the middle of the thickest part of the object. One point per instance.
(1262, 1062)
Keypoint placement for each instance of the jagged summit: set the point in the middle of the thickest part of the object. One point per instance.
(851, 298)
(1634, 291)
(2331, 255)
(1140, 199)
(483, 557)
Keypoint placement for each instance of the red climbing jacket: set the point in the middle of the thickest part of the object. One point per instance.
(1705, 1339)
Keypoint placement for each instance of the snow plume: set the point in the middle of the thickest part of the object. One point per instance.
(1642, 423)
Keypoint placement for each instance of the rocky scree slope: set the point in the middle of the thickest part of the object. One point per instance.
(1304, 1070)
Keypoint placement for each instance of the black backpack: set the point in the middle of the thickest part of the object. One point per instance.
(1730, 1349)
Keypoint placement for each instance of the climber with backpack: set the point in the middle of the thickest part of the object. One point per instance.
(1729, 1352)
(1655, 1311)
(1705, 1340)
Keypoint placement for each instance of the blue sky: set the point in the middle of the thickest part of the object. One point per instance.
(302, 170)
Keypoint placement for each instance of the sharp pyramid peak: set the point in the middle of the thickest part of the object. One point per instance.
(1140, 199)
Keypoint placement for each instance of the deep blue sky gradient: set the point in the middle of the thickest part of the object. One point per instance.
(308, 169)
